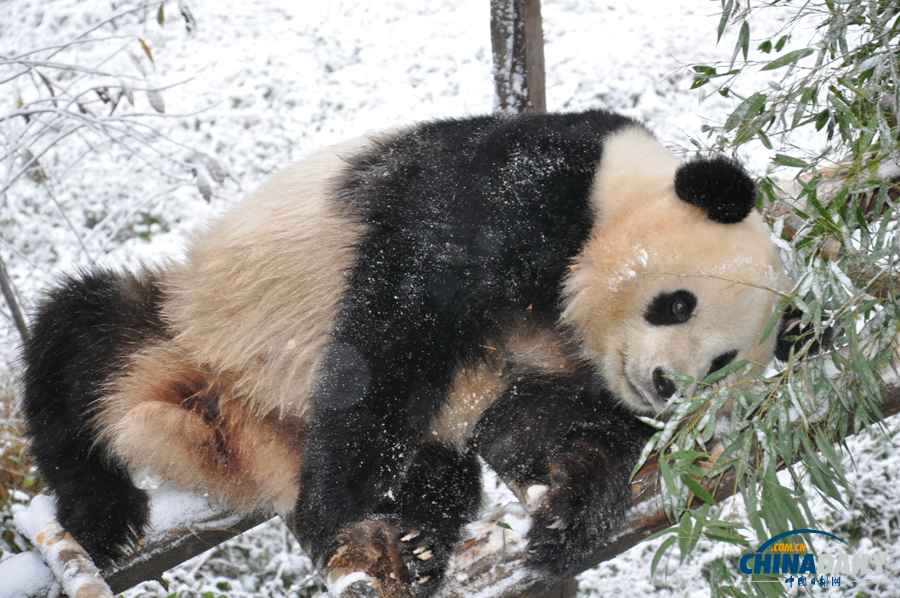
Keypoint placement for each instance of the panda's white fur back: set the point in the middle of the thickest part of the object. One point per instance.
(257, 293)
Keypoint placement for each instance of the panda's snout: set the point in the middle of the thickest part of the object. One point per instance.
(664, 387)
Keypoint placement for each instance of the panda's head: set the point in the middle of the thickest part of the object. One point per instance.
(680, 275)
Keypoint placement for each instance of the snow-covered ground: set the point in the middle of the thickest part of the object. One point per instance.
(260, 83)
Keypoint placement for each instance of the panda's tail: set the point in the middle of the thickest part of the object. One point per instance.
(80, 334)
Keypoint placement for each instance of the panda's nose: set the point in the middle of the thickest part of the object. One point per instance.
(665, 388)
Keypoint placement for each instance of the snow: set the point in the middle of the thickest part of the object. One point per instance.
(173, 508)
(27, 571)
(260, 83)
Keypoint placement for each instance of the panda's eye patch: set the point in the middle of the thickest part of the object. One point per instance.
(721, 361)
(670, 309)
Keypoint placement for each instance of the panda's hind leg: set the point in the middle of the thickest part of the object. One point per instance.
(178, 419)
(80, 336)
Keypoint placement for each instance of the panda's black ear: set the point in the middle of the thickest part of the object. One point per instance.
(718, 185)
(791, 336)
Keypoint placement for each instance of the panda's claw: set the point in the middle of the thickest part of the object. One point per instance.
(557, 523)
(424, 559)
(534, 495)
(410, 536)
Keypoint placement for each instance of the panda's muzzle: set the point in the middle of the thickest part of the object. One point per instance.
(641, 393)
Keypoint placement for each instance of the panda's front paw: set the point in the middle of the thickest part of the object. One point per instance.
(396, 560)
(559, 541)
(574, 518)
(425, 560)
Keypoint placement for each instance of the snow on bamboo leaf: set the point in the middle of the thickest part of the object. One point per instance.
(746, 110)
(155, 97)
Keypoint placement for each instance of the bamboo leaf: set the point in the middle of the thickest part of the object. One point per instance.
(660, 552)
(698, 490)
(147, 50)
(744, 39)
(727, 371)
(685, 531)
(781, 42)
(788, 59)
(668, 478)
(790, 161)
(727, 5)
(746, 110)
(837, 465)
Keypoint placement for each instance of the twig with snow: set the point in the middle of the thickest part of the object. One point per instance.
(71, 565)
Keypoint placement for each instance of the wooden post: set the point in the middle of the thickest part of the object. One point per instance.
(517, 40)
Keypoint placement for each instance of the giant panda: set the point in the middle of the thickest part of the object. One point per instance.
(345, 344)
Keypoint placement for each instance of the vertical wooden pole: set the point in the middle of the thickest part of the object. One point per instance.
(517, 41)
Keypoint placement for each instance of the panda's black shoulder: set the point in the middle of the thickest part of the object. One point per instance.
(529, 156)
(470, 215)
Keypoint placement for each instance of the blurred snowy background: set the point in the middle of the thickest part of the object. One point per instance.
(210, 96)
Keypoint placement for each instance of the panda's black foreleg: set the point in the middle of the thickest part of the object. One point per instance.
(375, 501)
(441, 491)
(568, 447)
(79, 336)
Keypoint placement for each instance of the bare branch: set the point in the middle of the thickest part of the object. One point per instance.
(183, 525)
(9, 294)
(70, 564)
